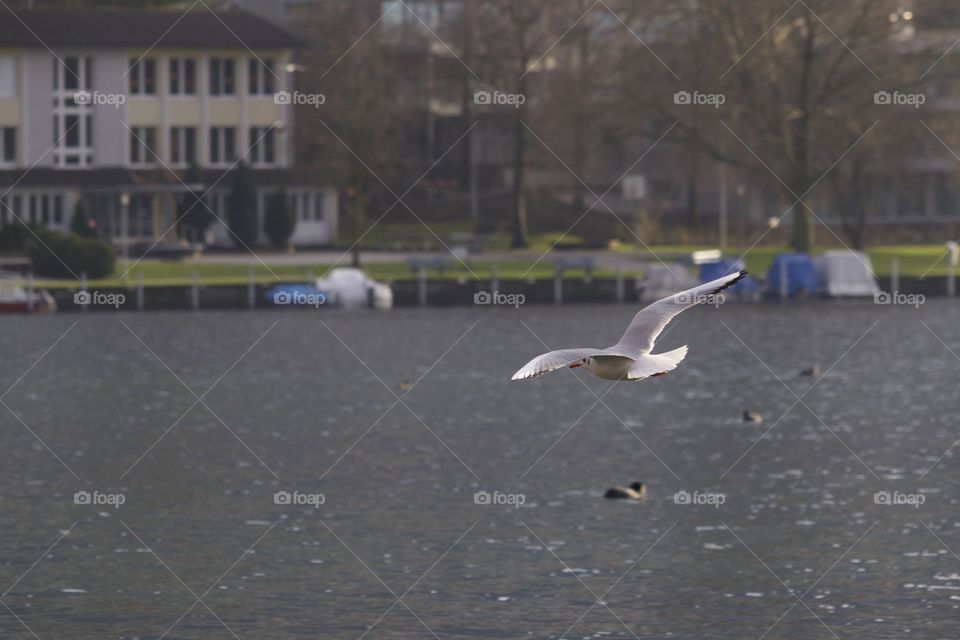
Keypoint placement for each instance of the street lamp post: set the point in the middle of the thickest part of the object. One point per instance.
(125, 226)
(723, 206)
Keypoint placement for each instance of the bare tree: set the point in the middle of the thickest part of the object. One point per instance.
(353, 135)
(513, 36)
(874, 169)
(785, 90)
(579, 90)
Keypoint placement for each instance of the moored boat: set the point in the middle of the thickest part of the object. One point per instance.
(16, 298)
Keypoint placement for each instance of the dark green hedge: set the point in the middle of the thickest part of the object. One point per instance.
(55, 255)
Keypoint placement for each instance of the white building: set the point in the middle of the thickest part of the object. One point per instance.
(112, 106)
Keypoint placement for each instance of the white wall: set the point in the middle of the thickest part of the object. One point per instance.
(109, 134)
(37, 120)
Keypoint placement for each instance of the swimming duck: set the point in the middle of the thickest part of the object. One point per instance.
(750, 416)
(812, 372)
(636, 491)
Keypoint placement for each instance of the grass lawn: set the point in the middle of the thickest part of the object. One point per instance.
(914, 260)
(157, 273)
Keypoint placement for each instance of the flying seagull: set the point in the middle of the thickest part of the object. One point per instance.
(630, 358)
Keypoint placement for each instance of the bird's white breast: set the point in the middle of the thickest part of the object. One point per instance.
(609, 368)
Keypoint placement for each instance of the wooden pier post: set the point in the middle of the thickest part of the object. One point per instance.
(194, 291)
(422, 286)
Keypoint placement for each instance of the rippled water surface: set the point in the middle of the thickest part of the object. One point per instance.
(196, 421)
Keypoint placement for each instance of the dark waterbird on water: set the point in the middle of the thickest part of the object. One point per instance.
(636, 491)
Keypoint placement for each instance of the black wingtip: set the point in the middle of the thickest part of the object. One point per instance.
(740, 276)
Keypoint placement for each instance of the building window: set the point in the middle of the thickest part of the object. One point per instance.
(72, 73)
(143, 145)
(216, 203)
(262, 146)
(58, 209)
(72, 118)
(143, 77)
(302, 204)
(222, 77)
(8, 77)
(71, 134)
(318, 207)
(223, 145)
(261, 76)
(305, 202)
(293, 203)
(8, 146)
(420, 16)
(40, 208)
(183, 76)
(183, 145)
(140, 216)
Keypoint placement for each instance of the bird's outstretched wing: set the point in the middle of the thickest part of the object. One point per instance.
(554, 360)
(639, 337)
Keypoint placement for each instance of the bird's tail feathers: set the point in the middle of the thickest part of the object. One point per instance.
(655, 364)
(676, 356)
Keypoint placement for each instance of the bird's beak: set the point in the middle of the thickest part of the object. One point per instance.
(574, 366)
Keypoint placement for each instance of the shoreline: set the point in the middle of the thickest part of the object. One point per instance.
(425, 293)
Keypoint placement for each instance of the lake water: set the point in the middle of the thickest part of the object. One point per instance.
(786, 540)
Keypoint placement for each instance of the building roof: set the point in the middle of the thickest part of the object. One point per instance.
(113, 28)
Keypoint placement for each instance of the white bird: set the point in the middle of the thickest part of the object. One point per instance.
(630, 358)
